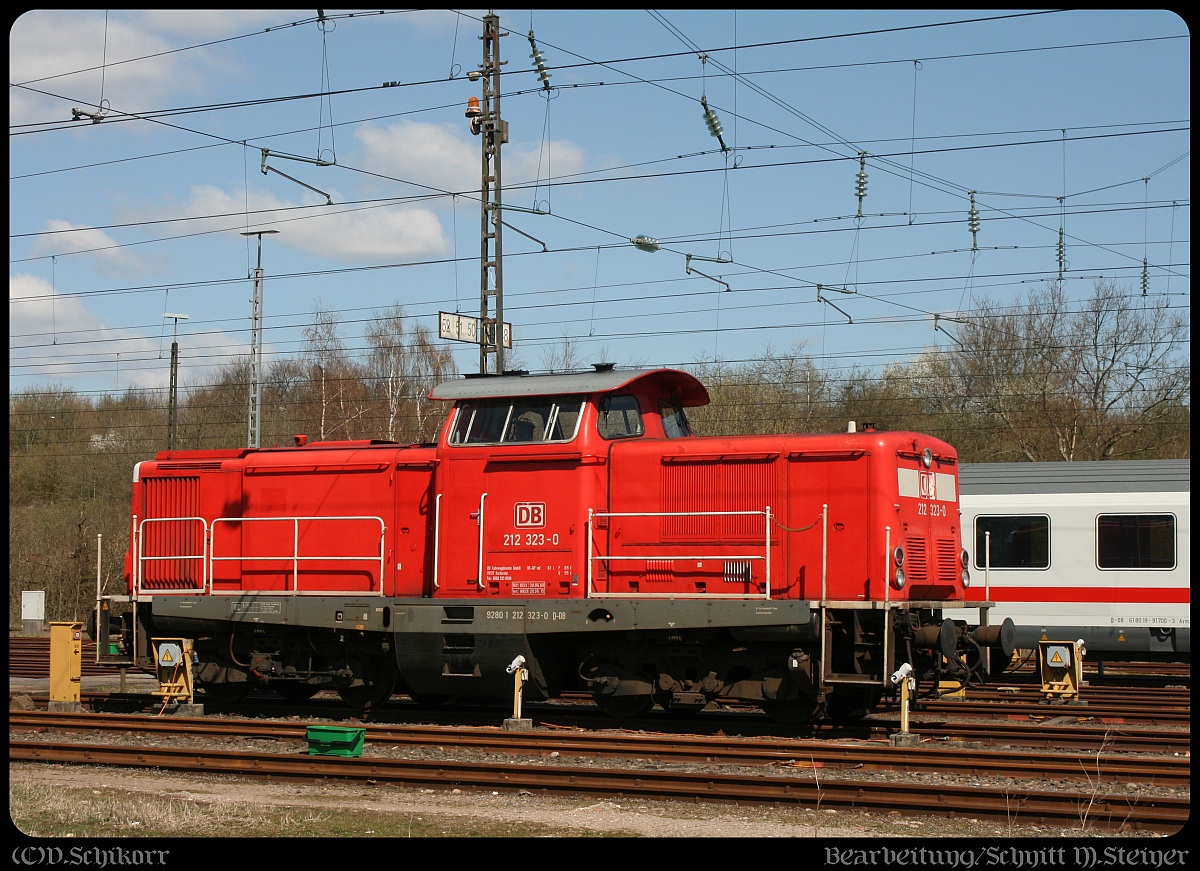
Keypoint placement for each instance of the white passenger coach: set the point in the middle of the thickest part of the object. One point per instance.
(1099, 551)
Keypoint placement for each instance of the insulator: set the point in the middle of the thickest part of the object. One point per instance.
(539, 61)
(861, 187)
(714, 123)
(710, 118)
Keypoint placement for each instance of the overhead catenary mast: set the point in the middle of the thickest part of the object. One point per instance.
(494, 132)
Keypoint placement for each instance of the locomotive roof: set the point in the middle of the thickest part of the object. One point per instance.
(686, 387)
(1090, 476)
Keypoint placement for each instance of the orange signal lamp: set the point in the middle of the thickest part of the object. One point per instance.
(474, 114)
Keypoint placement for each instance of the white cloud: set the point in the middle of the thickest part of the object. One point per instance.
(109, 258)
(55, 338)
(434, 157)
(79, 58)
(446, 157)
(375, 235)
(196, 25)
(36, 313)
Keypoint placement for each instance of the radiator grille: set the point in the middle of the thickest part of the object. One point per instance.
(947, 561)
(689, 488)
(916, 561)
(171, 549)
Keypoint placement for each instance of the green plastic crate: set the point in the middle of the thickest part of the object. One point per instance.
(335, 741)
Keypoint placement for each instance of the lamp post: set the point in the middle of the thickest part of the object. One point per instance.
(254, 421)
(172, 415)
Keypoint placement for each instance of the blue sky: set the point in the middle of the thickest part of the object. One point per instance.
(1071, 125)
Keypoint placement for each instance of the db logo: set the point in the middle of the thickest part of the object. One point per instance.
(531, 514)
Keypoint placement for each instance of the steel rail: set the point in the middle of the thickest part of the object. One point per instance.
(1162, 771)
(1094, 811)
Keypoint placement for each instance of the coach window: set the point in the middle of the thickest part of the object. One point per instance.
(619, 417)
(675, 422)
(1135, 541)
(1016, 542)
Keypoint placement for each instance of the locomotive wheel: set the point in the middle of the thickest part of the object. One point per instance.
(295, 692)
(227, 693)
(623, 707)
(367, 695)
(794, 712)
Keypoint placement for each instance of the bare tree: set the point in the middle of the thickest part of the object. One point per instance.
(403, 366)
(773, 393)
(338, 383)
(1088, 383)
(563, 357)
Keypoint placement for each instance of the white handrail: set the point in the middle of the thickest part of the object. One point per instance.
(294, 556)
(141, 557)
(437, 533)
(479, 580)
(208, 555)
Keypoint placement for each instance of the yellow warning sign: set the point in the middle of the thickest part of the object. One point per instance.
(166, 655)
(1062, 670)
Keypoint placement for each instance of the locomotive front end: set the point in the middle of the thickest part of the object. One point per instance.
(929, 569)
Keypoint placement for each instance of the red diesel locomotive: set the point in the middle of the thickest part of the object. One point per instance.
(574, 520)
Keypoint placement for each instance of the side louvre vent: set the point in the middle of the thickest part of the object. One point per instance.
(916, 563)
(717, 485)
(172, 548)
(948, 568)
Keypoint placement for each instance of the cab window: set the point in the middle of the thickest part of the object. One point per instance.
(619, 417)
(675, 422)
(522, 420)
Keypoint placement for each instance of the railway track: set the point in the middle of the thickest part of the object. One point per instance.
(1096, 810)
(1108, 768)
(1063, 731)
(1100, 787)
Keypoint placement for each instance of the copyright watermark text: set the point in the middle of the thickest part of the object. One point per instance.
(90, 857)
(1009, 858)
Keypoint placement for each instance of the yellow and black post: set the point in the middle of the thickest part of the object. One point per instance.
(66, 665)
(173, 664)
(1062, 670)
(520, 674)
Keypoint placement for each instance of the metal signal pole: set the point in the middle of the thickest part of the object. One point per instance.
(494, 133)
(173, 414)
(254, 423)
